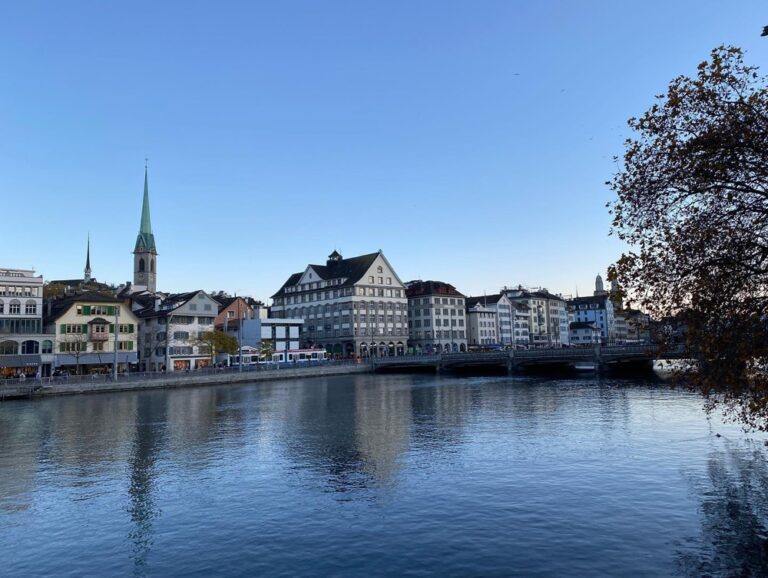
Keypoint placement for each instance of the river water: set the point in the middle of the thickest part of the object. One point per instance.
(394, 475)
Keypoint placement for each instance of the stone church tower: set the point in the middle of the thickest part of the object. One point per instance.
(145, 251)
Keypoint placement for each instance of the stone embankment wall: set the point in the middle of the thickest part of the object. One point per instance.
(191, 380)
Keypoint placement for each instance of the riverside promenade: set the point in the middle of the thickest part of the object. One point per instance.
(32, 388)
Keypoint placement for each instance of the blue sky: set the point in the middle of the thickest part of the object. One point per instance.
(470, 141)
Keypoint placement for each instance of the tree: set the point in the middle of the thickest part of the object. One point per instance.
(266, 350)
(693, 206)
(219, 342)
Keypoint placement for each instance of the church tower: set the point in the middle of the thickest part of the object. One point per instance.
(145, 251)
(599, 290)
(87, 275)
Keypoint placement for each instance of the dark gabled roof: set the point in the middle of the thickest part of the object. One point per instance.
(419, 288)
(582, 325)
(544, 294)
(168, 304)
(60, 305)
(599, 299)
(351, 270)
(484, 300)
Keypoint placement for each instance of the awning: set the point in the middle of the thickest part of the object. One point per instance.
(19, 360)
(96, 358)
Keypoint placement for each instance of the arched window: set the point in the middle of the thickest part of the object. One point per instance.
(141, 265)
(151, 265)
(47, 346)
(30, 307)
(9, 348)
(15, 307)
(30, 347)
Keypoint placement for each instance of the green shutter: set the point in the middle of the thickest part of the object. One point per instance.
(130, 328)
(63, 328)
(130, 346)
(110, 310)
(85, 328)
(86, 309)
(111, 327)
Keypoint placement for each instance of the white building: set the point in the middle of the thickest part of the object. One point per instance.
(584, 333)
(481, 321)
(547, 315)
(350, 307)
(502, 307)
(23, 346)
(171, 328)
(281, 334)
(436, 317)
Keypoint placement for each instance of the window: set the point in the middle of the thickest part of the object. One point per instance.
(125, 345)
(370, 279)
(381, 280)
(30, 347)
(193, 306)
(47, 346)
(98, 346)
(181, 335)
(15, 307)
(207, 307)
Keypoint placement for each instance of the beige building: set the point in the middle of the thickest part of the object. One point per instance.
(86, 329)
(350, 307)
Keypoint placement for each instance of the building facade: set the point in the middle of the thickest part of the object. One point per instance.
(350, 307)
(502, 306)
(171, 331)
(547, 315)
(436, 317)
(90, 332)
(481, 321)
(24, 348)
(584, 333)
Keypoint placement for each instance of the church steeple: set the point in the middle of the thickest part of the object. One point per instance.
(145, 239)
(145, 251)
(87, 276)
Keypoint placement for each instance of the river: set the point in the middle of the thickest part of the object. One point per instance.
(382, 475)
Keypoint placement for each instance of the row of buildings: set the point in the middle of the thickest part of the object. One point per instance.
(353, 307)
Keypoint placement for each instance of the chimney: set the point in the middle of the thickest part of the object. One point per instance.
(158, 301)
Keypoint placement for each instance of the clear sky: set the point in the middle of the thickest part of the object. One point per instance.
(470, 141)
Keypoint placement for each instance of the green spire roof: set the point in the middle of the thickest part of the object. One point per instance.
(145, 241)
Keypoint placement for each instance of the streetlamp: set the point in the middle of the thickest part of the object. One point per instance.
(117, 333)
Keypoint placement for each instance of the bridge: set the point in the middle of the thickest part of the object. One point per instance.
(601, 357)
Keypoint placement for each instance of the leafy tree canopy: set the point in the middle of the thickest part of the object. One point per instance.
(693, 206)
(219, 342)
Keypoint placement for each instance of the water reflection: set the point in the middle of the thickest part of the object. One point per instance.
(444, 462)
(148, 441)
(734, 513)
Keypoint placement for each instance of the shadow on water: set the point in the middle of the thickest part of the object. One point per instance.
(734, 516)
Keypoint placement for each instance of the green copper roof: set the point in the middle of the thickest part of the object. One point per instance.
(145, 241)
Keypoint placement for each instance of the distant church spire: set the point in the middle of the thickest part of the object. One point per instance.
(87, 276)
(145, 250)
